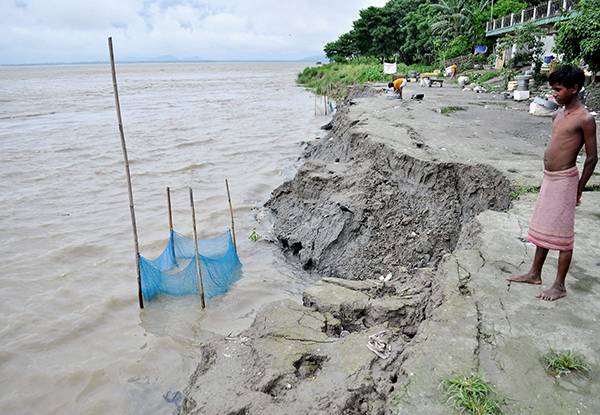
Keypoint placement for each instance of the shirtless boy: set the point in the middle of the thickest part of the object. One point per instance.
(552, 225)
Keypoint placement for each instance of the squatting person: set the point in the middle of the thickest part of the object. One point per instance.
(398, 84)
(553, 221)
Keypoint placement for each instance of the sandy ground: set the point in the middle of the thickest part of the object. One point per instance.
(447, 309)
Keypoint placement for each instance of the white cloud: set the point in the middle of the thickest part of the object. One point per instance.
(71, 30)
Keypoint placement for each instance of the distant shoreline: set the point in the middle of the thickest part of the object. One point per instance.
(153, 61)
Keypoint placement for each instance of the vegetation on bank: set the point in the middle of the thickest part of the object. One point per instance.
(579, 38)
(332, 79)
(471, 395)
(565, 362)
(520, 190)
(451, 108)
(434, 31)
(417, 31)
(428, 34)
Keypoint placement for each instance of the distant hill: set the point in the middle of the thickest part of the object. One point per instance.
(316, 58)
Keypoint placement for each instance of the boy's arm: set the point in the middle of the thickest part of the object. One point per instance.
(589, 136)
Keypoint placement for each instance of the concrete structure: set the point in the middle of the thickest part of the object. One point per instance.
(545, 14)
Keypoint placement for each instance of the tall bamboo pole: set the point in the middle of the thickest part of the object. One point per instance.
(169, 206)
(198, 270)
(127, 172)
(231, 214)
(171, 224)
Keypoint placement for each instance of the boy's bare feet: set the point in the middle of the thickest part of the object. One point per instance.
(529, 278)
(553, 293)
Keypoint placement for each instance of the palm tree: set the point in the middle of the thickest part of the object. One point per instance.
(455, 17)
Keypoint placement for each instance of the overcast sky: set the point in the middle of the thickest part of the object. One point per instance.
(37, 31)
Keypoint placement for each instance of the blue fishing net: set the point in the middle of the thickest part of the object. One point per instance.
(173, 272)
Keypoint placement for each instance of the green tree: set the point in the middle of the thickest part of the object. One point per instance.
(481, 16)
(506, 7)
(456, 18)
(579, 38)
(343, 48)
(369, 26)
(416, 43)
(527, 39)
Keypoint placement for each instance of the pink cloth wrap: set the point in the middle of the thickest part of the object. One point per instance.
(553, 222)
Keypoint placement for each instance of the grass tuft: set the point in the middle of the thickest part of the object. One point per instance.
(487, 76)
(565, 362)
(254, 236)
(519, 190)
(471, 395)
(592, 188)
(451, 108)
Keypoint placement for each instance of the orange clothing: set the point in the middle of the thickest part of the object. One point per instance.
(399, 83)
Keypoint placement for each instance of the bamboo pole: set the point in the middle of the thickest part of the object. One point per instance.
(170, 211)
(127, 172)
(231, 214)
(198, 270)
(171, 224)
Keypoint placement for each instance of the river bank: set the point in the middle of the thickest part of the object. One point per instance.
(435, 196)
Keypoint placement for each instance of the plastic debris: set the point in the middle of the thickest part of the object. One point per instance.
(378, 345)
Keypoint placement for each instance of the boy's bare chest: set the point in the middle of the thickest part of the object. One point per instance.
(566, 128)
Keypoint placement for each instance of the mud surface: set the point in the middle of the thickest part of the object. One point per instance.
(398, 190)
(359, 209)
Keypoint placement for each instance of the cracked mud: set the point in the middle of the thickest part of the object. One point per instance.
(391, 191)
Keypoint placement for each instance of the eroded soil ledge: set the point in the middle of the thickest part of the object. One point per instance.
(381, 194)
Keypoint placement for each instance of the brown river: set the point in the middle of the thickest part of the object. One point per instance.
(72, 338)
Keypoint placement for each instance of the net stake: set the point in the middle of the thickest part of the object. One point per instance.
(169, 205)
(127, 172)
(199, 272)
(171, 225)
(231, 214)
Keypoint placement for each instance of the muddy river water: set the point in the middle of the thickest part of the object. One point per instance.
(72, 338)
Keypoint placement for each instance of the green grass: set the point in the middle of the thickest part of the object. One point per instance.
(471, 395)
(592, 188)
(565, 362)
(254, 236)
(451, 108)
(486, 76)
(333, 78)
(519, 190)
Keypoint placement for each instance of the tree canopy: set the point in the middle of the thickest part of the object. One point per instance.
(414, 31)
(579, 38)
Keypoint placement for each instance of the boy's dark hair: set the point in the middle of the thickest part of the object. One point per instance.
(568, 76)
(390, 85)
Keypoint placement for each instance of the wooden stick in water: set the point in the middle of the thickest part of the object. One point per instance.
(170, 211)
(231, 213)
(171, 224)
(127, 172)
(198, 270)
